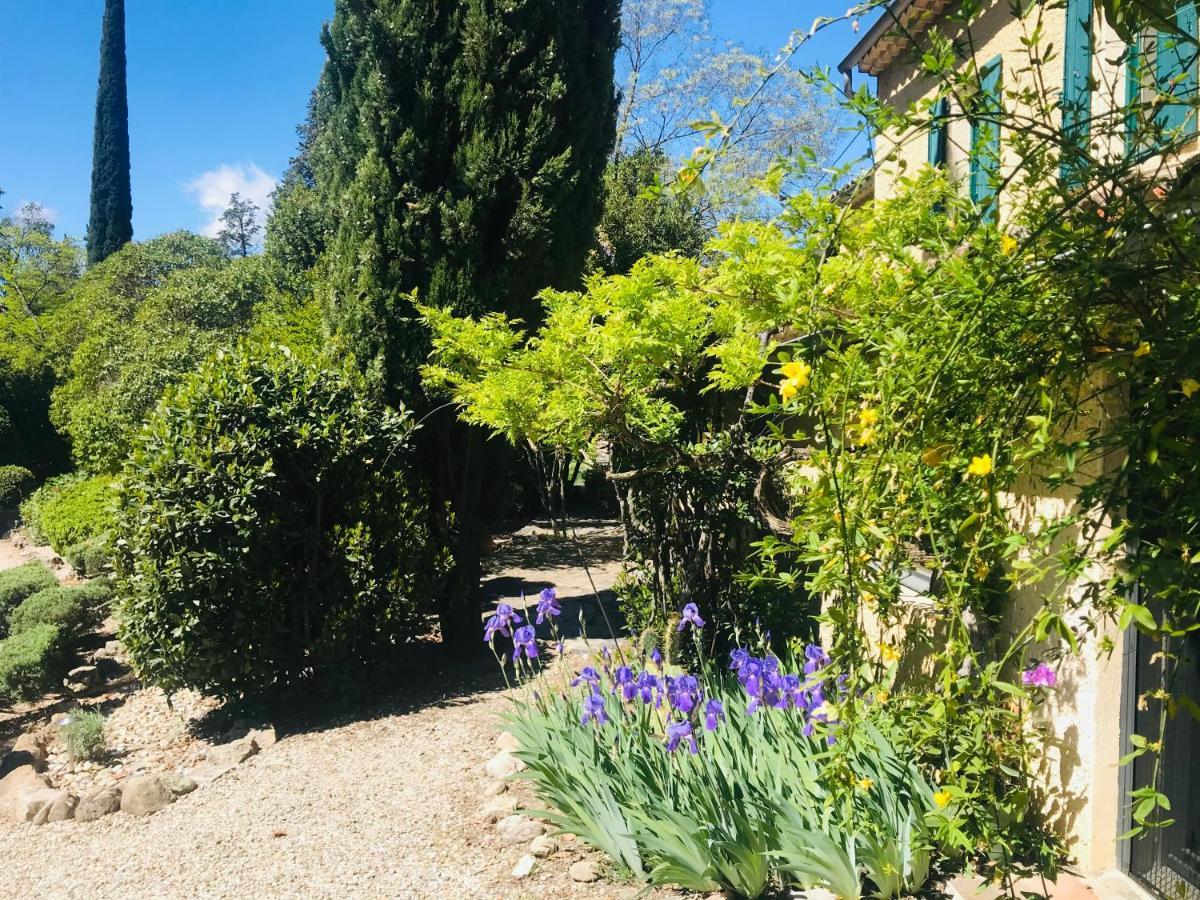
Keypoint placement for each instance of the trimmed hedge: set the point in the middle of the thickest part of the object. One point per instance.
(27, 661)
(90, 558)
(15, 484)
(18, 584)
(74, 610)
(70, 509)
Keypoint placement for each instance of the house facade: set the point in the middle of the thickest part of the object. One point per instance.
(1060, 66)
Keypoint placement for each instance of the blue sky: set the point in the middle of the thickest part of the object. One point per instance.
(216, 88)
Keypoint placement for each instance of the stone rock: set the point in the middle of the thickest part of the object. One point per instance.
(27, 750)
(524, 866)
(145, 794)
(518, 829)
(110, 650)
(507, 741)
(503, 764)
(23, 793)
(98, 804)
(84, 675)
(178, 784)
(495, 788)
(585, 870)
(263, 737)
(543, 845)
(497, 808)
(232, 754)
(63, 808)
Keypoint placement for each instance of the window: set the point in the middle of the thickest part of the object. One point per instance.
(1077, 88)
(1162, 67)
(939, 135)
(985, 139)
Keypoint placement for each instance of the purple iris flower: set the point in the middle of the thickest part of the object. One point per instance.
(681, 731)
(588, 676)
(593, 710)
(1040, 675)
(525, 640)
(683, 693)
(623, 678)
(650, 689)
(691, 616)
(501, 622)
(656, 658)
(548, 607)
(814, 658)
(714, 713)
(737, 659)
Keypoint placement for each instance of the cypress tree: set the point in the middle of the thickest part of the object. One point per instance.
(461, 150)
(110, 226)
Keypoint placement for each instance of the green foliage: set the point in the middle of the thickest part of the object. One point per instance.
(15, 482)
(268, 530)
(69, 509)
(640, 218)
(84, 735)
(90, 557)
(73, 610)
(110, 226)
(17, 584)
(29, 662)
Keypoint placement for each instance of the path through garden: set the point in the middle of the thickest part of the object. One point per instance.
(382, 801)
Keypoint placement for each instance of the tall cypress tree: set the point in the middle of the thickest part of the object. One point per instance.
(110, 226)
(461, 151)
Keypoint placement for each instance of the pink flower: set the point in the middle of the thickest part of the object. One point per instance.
(1040, 675)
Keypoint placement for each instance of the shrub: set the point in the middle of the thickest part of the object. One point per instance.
(84, 734)
(19, 583)
(69, 509)
(267, 529)
(89, 558)
(15, 482)
(29, 661)
(74, 610)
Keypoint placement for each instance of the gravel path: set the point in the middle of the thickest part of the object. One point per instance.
(384, 802)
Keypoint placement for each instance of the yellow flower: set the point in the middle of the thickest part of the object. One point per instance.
(798, 371)
(888, 654)
(788, 389)
(882, 697)
(942, 798)
(864, 784)
(1143, 349)
(868, 417)
(1008, 244)
(866, 436)
(1189, 386)
(980, 465)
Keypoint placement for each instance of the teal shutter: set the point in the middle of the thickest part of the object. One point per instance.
(1077, 87)
(938, 133)
(1133, 94)
(1175, 71)
(985, 139)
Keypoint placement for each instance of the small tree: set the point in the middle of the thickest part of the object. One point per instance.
(239, 226)
(111, 224)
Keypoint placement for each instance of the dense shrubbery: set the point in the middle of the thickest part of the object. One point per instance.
(267, 529)
(15, 483)
(90, 558)
(73, 610)
(19, 583)
(70, 509)
(29, 662)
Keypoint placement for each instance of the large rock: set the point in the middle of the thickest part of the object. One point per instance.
(57, 809)
(27, 750)
(178, 784)
(23, 792)
(503, 764)
(585, 870)
(145, 794)
(507, 741)
(543, 845)
(81, 678)
(98, 804)
(497, 808)
(518, 829)
(232, 754)
(114, 650)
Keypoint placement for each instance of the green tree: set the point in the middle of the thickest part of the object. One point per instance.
(239, 226)
(461, 154)
(111, 224)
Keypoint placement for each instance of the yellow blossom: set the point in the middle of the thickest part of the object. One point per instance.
(1008, 244)
(1143, 349)
(868, 417)
(866, 436)
(864, 784)
(942, 798)
(798, 371)
(882, 697)
(888, 654)
(980, 465)
(1189, 386)
(788, 389)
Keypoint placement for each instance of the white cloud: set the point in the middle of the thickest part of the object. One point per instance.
(213, 189)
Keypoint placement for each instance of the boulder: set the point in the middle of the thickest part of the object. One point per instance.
(524, 866)
(56, 808)
(495, 788)
(27, 750)
(263, 737)
(96, 805)
(543, 845)
(585, 870)
(23, 792)
(178, 784)
(518, 829)
(111, 650)
(145, 794)
(507, 741)
(497, 808)
(503, 764)
(233, 753)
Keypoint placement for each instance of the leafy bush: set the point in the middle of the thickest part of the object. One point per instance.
(29, 662)
(69, 509)
(267, 530)
(15, 482)
(20, 583)
(84, 734)
(74, 610)
(89, 558)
